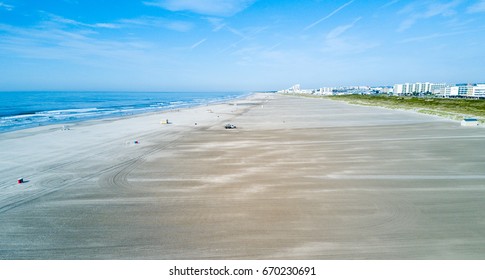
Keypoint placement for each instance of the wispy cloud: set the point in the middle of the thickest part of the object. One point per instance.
(39, 43)
(75, 46)
(236, 32)
(52, 18)
(439, 35)
(144, 21)
(339, 30)
(107, 25)
(478, 7)
(247, 36)
(198, 43)
(329, 15)
(217, 23)
(425, 10)
(262, 56)
(245, 33)
(204, 7)
(6, 6)
(156, 22)
(336, 42)
(390, 3)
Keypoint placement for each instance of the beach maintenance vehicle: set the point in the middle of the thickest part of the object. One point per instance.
(229, 126)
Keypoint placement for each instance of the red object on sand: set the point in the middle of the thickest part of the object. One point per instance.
(20, 180)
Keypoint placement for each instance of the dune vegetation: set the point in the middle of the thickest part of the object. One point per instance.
(449, 108)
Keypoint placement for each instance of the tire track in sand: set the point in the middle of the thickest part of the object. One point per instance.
(45, 187)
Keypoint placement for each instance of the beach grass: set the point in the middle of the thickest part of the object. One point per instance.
(456, 109)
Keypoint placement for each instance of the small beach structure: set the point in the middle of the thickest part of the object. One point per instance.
(164, 121)
(20, 180)
(469, 122)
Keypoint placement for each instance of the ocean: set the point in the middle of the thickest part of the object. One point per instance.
(21, 110)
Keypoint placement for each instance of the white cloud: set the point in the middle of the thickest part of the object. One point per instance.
(479, 7)
(55, 43)
(440, 35)
(205, 7)
(106, 25)
(388, 4)
(335, 42)
(198, 43)
(339, 30)
(6, 6)
(65, 21)
(425, 10)
(146, 21)
(329, 15)
(441, 9)
(217, 23)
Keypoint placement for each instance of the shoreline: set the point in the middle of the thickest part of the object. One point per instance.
(299, 178)
(120, 115)
(94, 121)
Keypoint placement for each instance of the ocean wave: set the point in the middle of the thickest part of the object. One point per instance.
(105, 107)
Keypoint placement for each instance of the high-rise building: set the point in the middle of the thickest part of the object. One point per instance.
(398, 89)
(465, 89)
(408, 88)
(458, 90)
(436, 88)
(478, 91)
(295, 88)
(450, 91)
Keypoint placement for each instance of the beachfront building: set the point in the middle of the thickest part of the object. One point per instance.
(295, 88)
(402, 89)
(439, 89)
(387, 90)
(415, 88)
(398, 89)
(451, 91)
(478, 91)
(292, 89)
(465, 89)
(351, 90)
(436, 88)
(421, 87)
(458, 90)
(325, 91)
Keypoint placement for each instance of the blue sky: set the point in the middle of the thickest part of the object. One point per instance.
(183, 45)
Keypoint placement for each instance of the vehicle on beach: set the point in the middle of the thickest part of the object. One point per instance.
(230, 126)
(470, 122)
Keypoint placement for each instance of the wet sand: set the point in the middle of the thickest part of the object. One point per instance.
(299, 178)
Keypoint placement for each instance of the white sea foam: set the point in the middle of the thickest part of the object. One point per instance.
(19, 110)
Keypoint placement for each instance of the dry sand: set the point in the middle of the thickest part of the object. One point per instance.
(298, 179)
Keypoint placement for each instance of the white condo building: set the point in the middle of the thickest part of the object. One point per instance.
(479, 90)
(408, 88)
(326, 91)
(459, 90)
(436, 88)
(439, 89)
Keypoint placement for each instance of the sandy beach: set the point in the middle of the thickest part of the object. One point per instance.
(300, 178)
